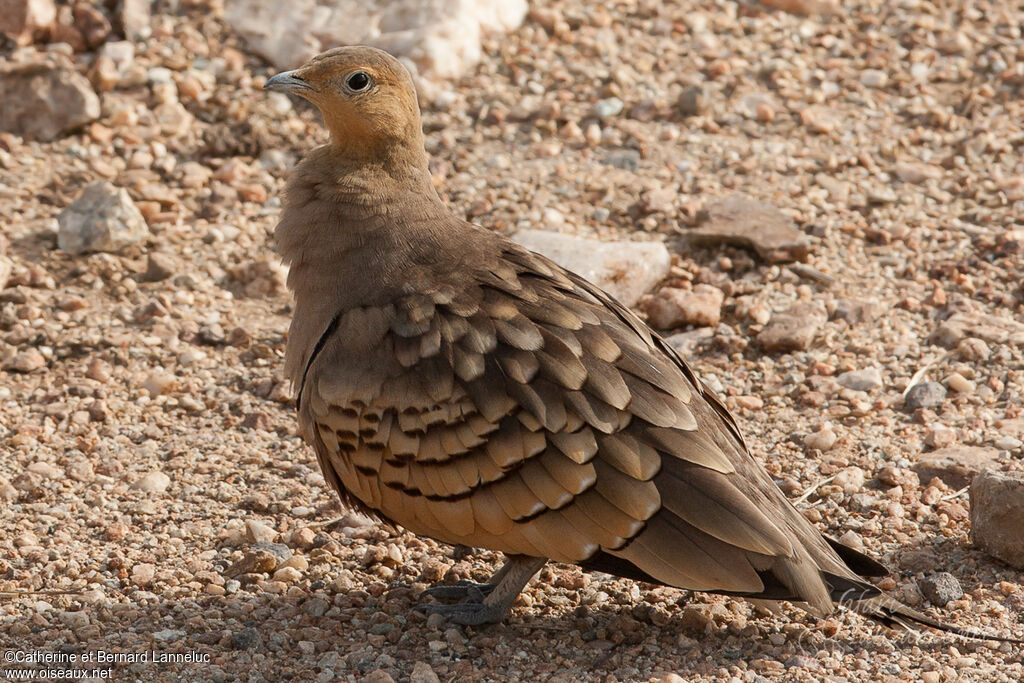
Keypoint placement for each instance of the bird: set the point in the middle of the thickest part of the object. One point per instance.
(460, 386)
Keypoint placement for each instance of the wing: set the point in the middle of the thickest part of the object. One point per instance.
(528, 412)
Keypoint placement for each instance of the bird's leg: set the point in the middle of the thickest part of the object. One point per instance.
(485, 603)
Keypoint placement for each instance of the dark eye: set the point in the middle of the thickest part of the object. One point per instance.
(358, 81)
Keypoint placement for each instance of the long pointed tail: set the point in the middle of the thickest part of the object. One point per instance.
(895, 614)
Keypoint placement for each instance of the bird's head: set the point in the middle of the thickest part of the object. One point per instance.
(366, 97)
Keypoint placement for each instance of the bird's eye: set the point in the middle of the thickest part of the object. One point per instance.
(358, 81)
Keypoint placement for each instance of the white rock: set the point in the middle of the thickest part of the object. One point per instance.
(868, 379)
(626, 270)
(440, 37)
(103, 218)
(823, 439)
(153, 482)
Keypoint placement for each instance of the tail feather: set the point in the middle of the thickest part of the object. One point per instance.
(894, 614)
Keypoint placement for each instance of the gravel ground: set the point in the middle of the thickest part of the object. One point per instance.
(150, 471)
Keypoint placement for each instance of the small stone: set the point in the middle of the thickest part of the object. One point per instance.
(158, 383)
(143, 573)
(7, 491)
(868, 379)
(672, 307)
(793, 329)
(92, 24)
(940, 437)
(874, 78)
(959, 383)
(607, 108)
(955, 465)
(925, 395)
(244, 639)
(818, 119)
(44, 101)
(152, 482)
(940, 588)
(25, 361)
(997, 508)
(257, 531)
(135, 18)
(423, 673)
(693, 101)
(102, 218)
(160, 266)
(916, 173)
(287, 574)
(23, 21)
(45, 470)
(98, 370)
(751, 224)
(627, 270)
(1008, 443)
(850, 479)
(822, 440)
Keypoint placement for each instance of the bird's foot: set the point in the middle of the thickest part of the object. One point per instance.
(466, 613)
(460, 590)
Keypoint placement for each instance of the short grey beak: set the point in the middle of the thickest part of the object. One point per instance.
(288, 82)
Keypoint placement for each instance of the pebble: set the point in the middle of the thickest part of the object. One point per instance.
(25, 361)
(152, 482)
(692, 101)
(874, 78)
(607, 108)
(102, 218)
(940, 437)
(868, 379)
(955, 465)
(143, 574)
(822, 440)
(673, 307)
(287, 574)
(160, 266)
(751, 224)
(959, 383)
(793, 329)
(159, 383)
(44, 101)
(423, 673)
(940, 588)
(257, 531)
(925, 395)
(997, 508)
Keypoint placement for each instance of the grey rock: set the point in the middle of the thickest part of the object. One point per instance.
(693, 101)
(792, 329)
(103, 218)
(868, 379)
(245, 639)
(997, 508)
(940, 588)
(626, 270)
(955, 465)
(44, 101)
(626, 159)
(925, 395)
(751, 224)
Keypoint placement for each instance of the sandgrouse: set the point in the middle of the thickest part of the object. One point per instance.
(472, 391)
